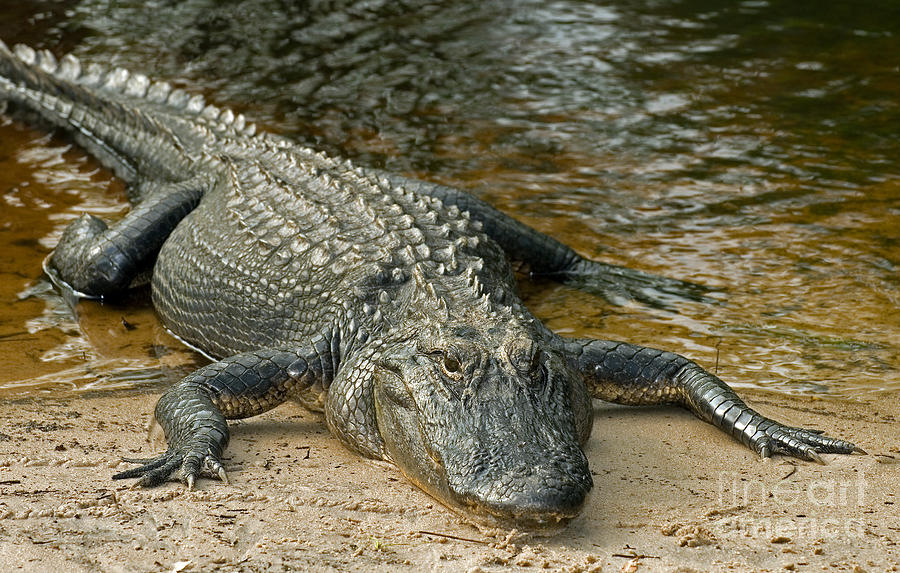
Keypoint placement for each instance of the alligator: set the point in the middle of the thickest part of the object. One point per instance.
(387, 302)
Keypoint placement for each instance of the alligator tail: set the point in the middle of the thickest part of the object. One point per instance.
(114, 114)
(112, 131)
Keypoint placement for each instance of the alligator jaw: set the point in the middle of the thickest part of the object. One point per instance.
(507, 516)
(536, 522)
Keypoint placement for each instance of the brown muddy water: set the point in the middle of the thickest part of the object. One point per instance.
(751, 146)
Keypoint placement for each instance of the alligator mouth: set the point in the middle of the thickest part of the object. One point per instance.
(535, 521)
(542, 509)
(536, 496)
(543, 512)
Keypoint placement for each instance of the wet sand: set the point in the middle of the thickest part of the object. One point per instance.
(671, 494)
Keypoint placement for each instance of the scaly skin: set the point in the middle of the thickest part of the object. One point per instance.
(391, 300)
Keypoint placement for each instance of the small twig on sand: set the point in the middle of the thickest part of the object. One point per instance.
(456, 537)
(634, 555)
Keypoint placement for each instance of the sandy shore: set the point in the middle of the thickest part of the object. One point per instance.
(671, 494)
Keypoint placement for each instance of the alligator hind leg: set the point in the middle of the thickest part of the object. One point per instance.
(193, 413)
(97, 260)
(635, 375)
(545, 256)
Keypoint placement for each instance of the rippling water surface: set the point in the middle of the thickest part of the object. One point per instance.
(750, 146)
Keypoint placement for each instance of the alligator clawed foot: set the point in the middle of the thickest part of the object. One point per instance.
(213, 469)
(800, 443)
(155, 471)
(621, 285)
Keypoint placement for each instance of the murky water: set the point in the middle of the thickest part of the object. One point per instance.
(751, 146)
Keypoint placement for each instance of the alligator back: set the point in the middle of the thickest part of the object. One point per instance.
(285, 242)
(285, 247)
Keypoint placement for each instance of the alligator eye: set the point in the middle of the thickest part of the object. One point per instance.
(526, 359)
(451, 365)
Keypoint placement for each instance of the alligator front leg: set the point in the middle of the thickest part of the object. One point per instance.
(97, 260)
(193, 413)
(636, 375)
(545, 256)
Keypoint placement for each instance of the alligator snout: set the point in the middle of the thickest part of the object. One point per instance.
(539, 499)
(541, 492)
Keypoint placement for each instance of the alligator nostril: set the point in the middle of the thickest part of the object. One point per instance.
(538, 493)
(559, 501)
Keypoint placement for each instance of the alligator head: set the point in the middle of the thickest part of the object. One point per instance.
(487, 420)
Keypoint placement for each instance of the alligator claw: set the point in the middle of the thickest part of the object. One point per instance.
(815, 457)
(620, 285)
(154, 471)
(799, 443)
(214, 469)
